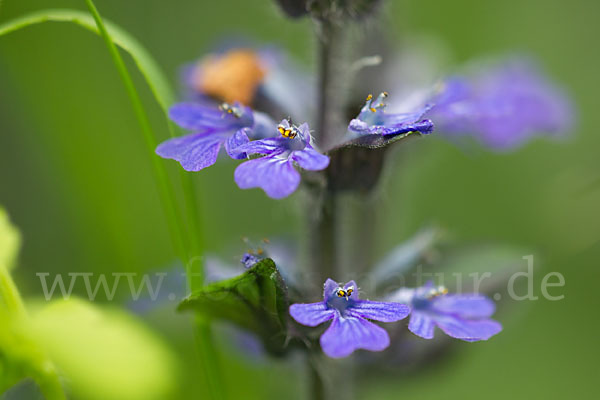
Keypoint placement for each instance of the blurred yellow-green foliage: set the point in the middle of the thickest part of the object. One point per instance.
(105, 354)
(75, 179)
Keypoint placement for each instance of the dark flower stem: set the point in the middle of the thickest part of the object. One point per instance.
(332, 84)
(322, 238)
(325, 44)
(329, 128)
(323, 213)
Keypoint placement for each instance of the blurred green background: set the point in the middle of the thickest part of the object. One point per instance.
(76, 180)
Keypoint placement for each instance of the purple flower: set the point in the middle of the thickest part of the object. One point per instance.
(350, 329)
(461, 316)
(374, 120)
(275, 172)
(214, 127)
(503, 106)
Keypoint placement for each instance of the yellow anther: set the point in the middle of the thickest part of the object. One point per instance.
(373, 109)
(289, 133)
(341, 292)
(385, 94)
(229, 109)
(439, 291)
(370, 97)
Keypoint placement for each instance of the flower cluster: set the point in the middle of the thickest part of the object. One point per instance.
(502, 106)
(463, 317)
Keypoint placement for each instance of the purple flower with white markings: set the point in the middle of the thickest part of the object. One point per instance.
(461, 316)
(350, 328)
(275, 172)
(374, 120)
(502, 106)
(214, 127)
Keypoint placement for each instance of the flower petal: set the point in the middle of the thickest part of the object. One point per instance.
(465, 305)
(466, 329)
(305, 133)
(310, 159)
(421, 325)
(312, 314)
(275, 175)
(378, 310)
(359, 127)
(348, 334)
(406, 118)
(237, 140)
(329, 288)
(194, 152)
(425, 127)
(268, 146)
(200, 117)
(263, 126)
(354, 286)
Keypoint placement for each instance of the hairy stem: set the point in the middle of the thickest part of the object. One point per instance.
(332, 82)
(323, 210)
(322, 238)
(325, 60)
(176, 225)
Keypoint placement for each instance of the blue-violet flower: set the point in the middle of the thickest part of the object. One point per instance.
(502, 106)
(350, 328)
(228, 125)
(275, 172)
(461, 316)
(374, 120)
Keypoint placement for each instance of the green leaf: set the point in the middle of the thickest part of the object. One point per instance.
(103, 352)
(255, 300)
(148, 67)
(22, 357)
(10, 241)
